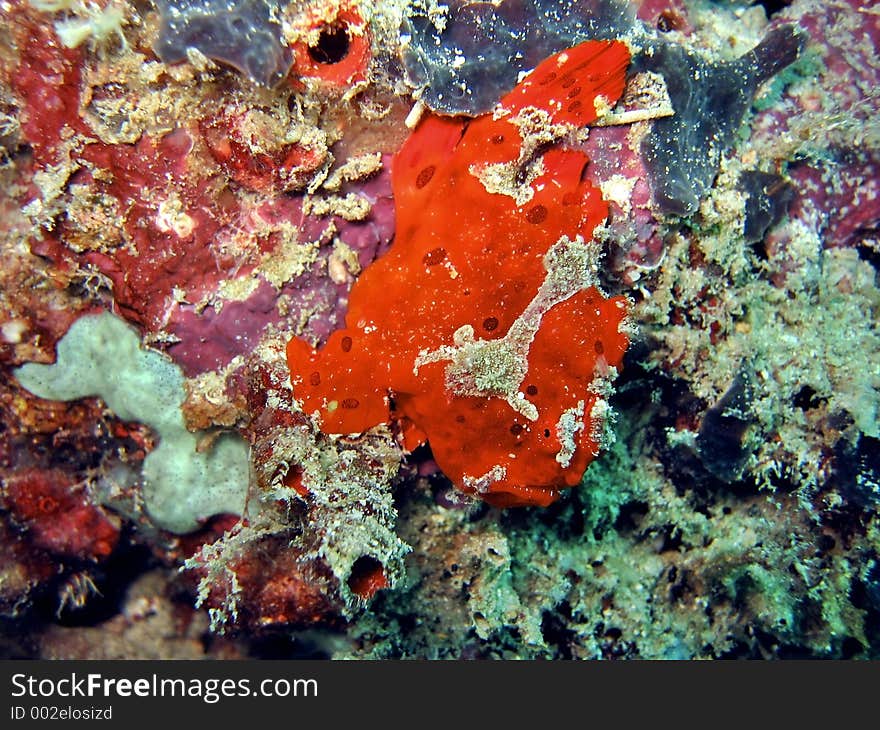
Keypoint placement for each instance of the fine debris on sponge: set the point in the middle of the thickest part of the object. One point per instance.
(246, 34)
(710, 100)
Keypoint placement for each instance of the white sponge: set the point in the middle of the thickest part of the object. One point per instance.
(102, 356)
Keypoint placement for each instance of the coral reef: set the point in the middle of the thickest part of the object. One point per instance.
(189, 187)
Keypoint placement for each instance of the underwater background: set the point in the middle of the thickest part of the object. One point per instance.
(351, 329)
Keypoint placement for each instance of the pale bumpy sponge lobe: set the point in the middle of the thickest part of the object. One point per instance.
(102, 356)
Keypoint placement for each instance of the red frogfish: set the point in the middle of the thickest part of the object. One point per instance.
(483, 329)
